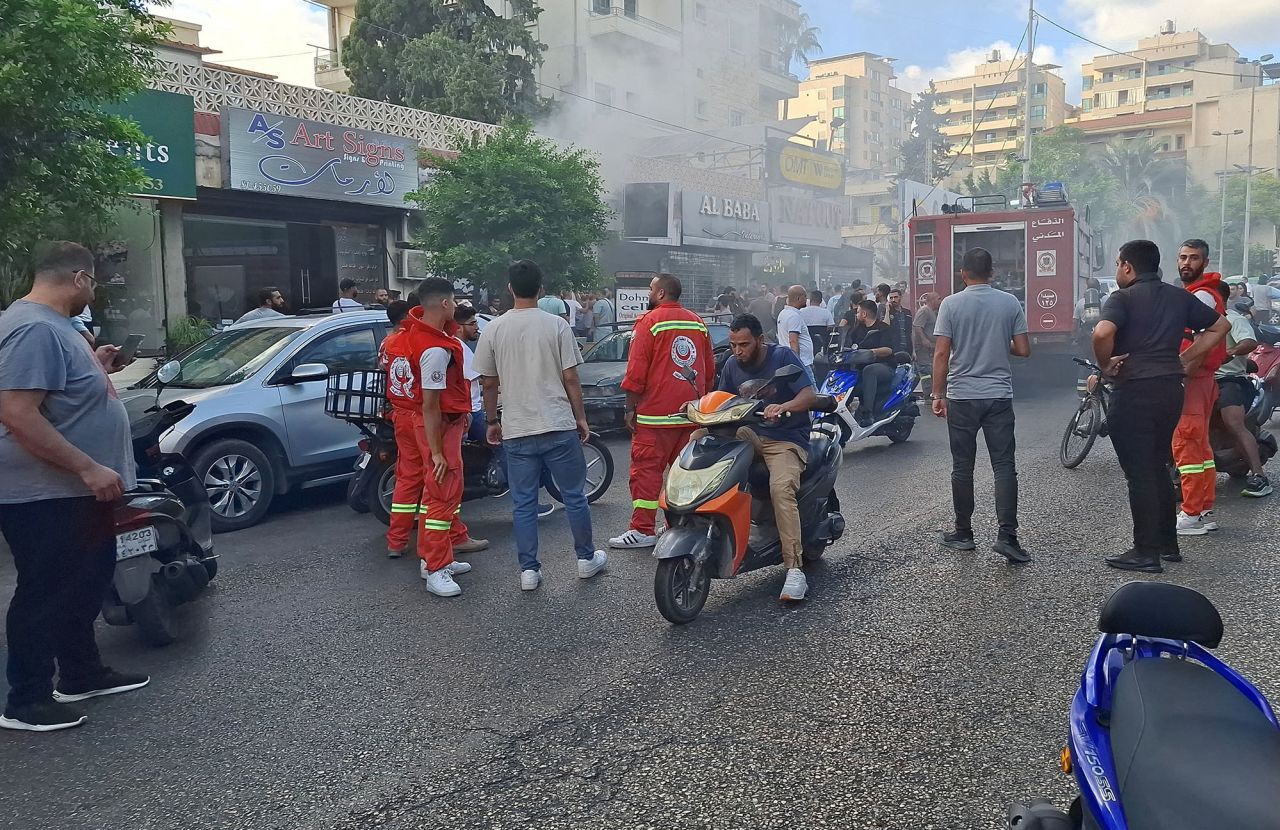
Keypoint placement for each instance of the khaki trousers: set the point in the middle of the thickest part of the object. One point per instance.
(786, 462)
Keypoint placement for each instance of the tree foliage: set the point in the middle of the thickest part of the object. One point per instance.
(798, 41)
(60, 61)
(924, 153)
(514, 196)
(455, 57)
(1264, 208)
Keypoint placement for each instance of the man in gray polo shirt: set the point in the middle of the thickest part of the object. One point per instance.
(977, 330)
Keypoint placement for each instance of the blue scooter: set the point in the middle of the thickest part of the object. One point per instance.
(894, 419)
(1164, 735)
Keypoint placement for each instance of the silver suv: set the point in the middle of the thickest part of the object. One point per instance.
(259, 428)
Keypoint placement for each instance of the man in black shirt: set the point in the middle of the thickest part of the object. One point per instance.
(1136, 343)
(900, 322)
(873, 335)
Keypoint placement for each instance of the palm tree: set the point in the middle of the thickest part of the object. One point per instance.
(797, 41)
(1151, 188)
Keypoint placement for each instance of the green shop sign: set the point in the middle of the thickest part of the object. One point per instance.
(169, 158)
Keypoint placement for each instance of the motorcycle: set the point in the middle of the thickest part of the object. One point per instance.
(720, 519)
(894, 418)
(1162, 733)
(1226, 458)
(164, 535)
(357, 397)
(1267, 359)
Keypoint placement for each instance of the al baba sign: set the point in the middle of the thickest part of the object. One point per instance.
(724, 221)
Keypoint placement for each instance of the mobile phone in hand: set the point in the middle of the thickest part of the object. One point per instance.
(129, 349)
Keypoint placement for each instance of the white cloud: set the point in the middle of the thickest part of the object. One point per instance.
(275, 36)
(915, 78)
(1119, 23)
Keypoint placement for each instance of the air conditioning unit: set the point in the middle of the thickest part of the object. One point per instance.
(414, 265)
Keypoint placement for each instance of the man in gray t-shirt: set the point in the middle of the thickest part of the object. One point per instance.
(976, 331)
(67, 459)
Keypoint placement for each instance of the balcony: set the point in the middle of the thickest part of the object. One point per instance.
(1001, 145)
(1000, 102)
(329, 71)
(1000, 124)
(950, 130)
(620, 26)
(776, 80)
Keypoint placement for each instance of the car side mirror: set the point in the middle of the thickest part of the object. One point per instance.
(169, 372)
(309, 371)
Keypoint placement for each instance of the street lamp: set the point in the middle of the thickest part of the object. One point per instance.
(1226, 162)
(1248, 182)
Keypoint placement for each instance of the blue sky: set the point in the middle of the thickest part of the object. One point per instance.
(931, 38)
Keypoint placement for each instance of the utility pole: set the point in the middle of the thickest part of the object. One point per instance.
(1226, 168)
(1248, 182)
(1026, 123)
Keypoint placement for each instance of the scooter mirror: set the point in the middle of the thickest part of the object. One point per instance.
(788, 371)
(169, 372)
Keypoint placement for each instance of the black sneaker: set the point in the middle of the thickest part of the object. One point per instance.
(1131, 560)
(41, 717)
(1172, 556)
(958, 540)
(1255, 487)
(108, 683)
(1008, 547)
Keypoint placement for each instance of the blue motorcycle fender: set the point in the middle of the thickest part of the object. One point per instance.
(133, 578)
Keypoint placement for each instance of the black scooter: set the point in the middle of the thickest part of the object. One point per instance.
(720, 519)
(164, 537)
(1226, 457)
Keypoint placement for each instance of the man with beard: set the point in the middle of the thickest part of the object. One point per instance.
(668, 340)
(1191, 450)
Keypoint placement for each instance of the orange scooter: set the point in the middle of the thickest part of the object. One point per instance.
(719, 516)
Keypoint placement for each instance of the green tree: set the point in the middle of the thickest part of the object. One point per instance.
(1264, 208)
(60, 61)
(455, 57)
(924, 153)
(514, 196)
(799, 41)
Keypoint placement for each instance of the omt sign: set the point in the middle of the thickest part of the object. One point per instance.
(795, 164)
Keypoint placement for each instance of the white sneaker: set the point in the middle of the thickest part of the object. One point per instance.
(454, 568)
(530, 580)
(1207, 518)
(441, 583)
(795, 587)
(588, 568)
(633, 539)
(1191, 525)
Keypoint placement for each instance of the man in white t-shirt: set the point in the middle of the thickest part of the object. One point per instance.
(347, 291)
(792, 331)
(574, 307)
(816, 313)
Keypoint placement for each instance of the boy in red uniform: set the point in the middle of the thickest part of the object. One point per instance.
(666, 341)
(432, 410)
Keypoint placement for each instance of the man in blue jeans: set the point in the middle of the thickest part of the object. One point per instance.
(977, 330)
(533, 357)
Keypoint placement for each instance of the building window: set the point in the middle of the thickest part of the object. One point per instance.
(896, 104)
(1011, 134)
(1039, 90)
(886, 213)
(600, 6)
(875, 118)
(632, 100)
(735, 118)
(1038, 111)
(822, 95)
(604, 95)
(1122, 97)
(736, 39)
(1186, 90)
(1087, 105)
(837, 135)
(837, 93)
(1088, 82)
(700, 108)
(875, 157)
(1135, 74)
(1108, 77)
(837, 112)
(699, 12)
(1179, 142)
(989, 137)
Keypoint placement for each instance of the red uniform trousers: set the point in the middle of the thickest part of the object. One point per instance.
(1191, 449)
(418, 496)
(653, 449)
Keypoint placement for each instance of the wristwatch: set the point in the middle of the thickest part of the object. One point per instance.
(493, 422)
(938, 397)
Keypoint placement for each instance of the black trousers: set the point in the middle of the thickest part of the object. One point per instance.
(995, 418)
(64, 551)
(1142, 417)
(873, 380)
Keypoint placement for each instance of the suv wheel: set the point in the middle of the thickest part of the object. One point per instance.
(240, 480)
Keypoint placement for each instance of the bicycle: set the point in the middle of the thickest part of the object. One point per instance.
(1089, 420)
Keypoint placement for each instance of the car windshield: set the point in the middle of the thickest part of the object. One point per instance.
(231, 356)
(612, 349)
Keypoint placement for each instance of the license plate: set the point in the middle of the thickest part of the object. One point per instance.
(363, 462)
(138, 542)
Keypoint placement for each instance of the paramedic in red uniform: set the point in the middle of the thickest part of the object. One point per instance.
(666, 340)
(1191, 449)
(432, 410)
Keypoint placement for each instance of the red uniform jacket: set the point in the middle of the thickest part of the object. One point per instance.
(403, 354)
(1218, 355)
(666, 339)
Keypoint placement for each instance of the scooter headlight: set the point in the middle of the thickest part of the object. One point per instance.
(684, 487)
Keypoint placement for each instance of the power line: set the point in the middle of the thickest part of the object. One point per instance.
(267, 57)
(554, 89)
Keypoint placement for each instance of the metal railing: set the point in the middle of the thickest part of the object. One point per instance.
(629, 12)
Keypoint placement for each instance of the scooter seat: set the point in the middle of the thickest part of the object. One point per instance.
(1191, 751)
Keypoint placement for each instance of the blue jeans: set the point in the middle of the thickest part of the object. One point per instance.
(558, 454)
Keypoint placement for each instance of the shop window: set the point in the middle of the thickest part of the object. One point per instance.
(130, 294)
(228, 260)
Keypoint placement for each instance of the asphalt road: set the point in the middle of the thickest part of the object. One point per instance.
(319, 686)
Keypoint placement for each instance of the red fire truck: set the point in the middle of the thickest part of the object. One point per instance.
(1042, 255)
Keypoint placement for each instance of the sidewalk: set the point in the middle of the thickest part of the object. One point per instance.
(134, 372)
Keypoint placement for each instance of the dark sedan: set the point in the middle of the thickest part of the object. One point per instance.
(606, 363)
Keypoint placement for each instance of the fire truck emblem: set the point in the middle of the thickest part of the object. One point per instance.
(924, 271)
(402, 380)
(1046, 263)
(684, 354)
(1047, 298)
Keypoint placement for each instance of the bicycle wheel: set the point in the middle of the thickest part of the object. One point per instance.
(1082, 431)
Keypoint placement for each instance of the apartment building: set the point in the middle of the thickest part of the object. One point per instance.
(985, 111)
(699, 64)
(1169, 70)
